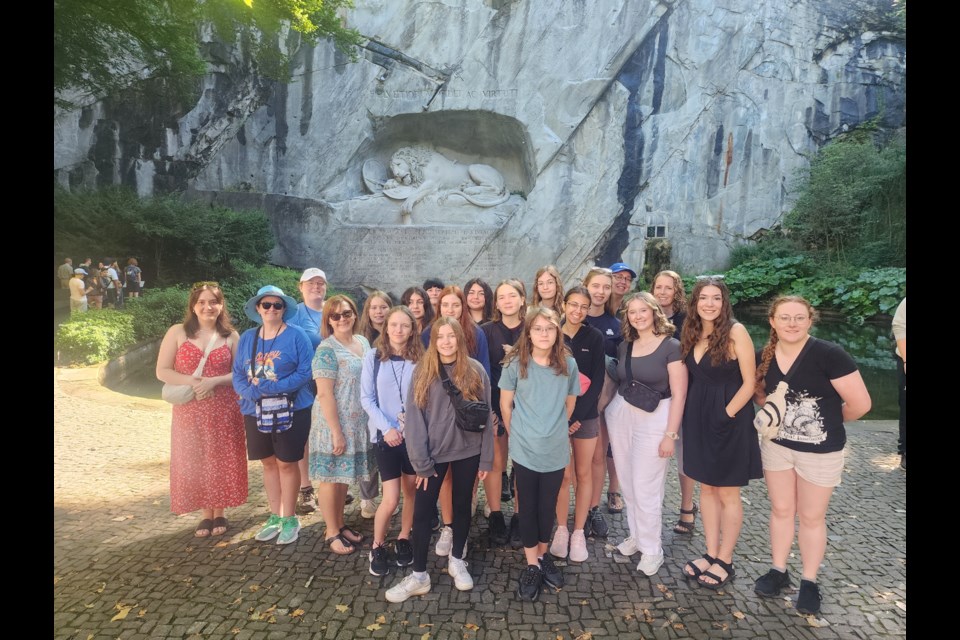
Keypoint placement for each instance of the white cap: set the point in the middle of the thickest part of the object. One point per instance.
(313, 272)
(78, 270)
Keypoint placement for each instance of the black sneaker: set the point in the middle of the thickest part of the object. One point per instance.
(903, 461)
(808, 602)
(515, 540)
(506, 489)
(551, 574)
(379, 561)
(769, 586)
(404, 552)
(435, 521)
(531, 582)
(598, 526)
(497, 529)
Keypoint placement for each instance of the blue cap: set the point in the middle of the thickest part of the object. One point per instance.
(250, 308)
(617, 267)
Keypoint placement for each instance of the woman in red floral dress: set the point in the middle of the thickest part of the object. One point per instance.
(208, 465)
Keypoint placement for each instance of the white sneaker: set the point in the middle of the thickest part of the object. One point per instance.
(628, 547)
(561, 539)
(368, 509)
(650, 563)
(458, 571)
(578, 546)
(409, 586)
(445, 543)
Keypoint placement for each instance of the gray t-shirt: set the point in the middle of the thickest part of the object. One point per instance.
(650, 369)
(538, 426)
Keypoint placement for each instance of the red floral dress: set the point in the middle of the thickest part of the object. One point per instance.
(208, 462)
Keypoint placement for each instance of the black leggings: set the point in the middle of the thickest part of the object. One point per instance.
(539, 491)
(464, 473)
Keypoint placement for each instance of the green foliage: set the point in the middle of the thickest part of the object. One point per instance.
(775, 245)
(153, 314)
(95, 336)
(175, 240)
(852, 206)
(869, 293)
(247, 280)
(103, 45)
(762, 279)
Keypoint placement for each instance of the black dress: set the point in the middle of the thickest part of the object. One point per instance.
(718, 450)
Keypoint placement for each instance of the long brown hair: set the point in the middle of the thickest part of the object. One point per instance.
(718, 343)
(558, 298)
(770, 348)
(661, 326)
(366, 327)
(191, 323)
(331, 306)
(523, 350)
(679, 297)
(428, 368)
(466, 320)
(424, 322)
(412, 350)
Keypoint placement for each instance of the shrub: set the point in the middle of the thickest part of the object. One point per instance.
(762, 279)
(95, 336)
(155, 312)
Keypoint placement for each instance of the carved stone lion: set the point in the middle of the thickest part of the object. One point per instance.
(418, 172)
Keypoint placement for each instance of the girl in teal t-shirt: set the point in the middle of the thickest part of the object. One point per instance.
(538, 389)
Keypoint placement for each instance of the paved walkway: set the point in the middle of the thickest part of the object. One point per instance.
(125, 567)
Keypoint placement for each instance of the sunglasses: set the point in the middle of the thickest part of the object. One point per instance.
(205, 283)
(272, 305)
(346, 315)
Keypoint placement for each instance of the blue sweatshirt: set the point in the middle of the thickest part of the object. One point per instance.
(284, 368)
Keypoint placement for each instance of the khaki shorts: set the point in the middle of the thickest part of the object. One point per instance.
(821, 469)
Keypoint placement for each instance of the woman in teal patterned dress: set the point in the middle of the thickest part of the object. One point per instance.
(339, 442)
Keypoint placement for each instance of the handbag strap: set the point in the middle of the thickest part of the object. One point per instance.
(206, 354)
(796, 363)
(628, 356)
(253, 354)
(455, 394)
(376, 373)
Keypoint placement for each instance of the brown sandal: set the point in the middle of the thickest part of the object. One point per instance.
(203, 528)
(346, 547)
(683, 526)
(614, 502)
(219, 523)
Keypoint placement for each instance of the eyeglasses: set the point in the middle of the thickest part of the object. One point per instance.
(623, 277)
(785, 319)
(201, 285)
(543, 330)
(718, 276)
(272, 305)
(346, 315)
(573, 306)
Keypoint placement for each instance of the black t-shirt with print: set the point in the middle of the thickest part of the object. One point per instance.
(813, 420)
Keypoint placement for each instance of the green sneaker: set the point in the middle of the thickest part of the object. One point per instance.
(289, 530)
(269, 530)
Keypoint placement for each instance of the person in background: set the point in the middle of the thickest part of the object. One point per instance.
(434, 287)
(133, 278)
(384, 383)
(720, 446)
(538, 389)
(78, 291)
(309, 317)
(96, 284)
(274, 359)
(803, 463)
(900, 334)
(623, 277)
(479, 301)
(418, 302)
(667, 288)
(208, 468)
(548, 289)
(115, 288)
(65, 273)
(437, 448)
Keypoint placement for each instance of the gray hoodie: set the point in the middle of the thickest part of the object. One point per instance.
(432, 435)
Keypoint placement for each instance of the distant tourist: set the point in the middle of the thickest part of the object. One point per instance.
(65, 273)
(78, 291)
(133, 279)
(96, 283)
(208, 468)
(114, 288)
(900, 334)
(804, 461)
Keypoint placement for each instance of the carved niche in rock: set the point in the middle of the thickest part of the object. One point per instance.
(417, 172)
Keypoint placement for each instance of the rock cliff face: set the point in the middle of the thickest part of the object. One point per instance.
(610, 121)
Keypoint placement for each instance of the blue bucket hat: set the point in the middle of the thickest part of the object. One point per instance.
(617, 267)
(250, 308)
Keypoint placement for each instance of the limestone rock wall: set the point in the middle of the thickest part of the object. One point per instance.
(687, 118)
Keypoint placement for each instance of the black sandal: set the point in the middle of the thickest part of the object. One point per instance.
(204, 528)
(355, 537)
(614, 502)
(697, 571)
(719, 582)
(684, 527)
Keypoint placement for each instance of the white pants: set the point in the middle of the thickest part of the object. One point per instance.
(635, 437)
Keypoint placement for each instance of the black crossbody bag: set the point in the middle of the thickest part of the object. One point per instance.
(472, 415)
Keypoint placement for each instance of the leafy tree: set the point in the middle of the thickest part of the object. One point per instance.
(103, 45)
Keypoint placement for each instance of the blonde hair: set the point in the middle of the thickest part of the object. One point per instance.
(428, 369)
(411, 351)
(366, 327)
(558, 298)
(661, 326)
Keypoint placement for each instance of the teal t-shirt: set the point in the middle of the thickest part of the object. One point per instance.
(538, 427)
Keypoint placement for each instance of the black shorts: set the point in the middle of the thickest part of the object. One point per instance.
(392, 461)
(287, 446)
(588, 429)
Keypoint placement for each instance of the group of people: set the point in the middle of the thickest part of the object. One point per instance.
(578, 384)
(89, 286)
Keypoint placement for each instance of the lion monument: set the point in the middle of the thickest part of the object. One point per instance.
(418, 172)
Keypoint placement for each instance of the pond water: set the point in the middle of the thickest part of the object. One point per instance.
(870, 345)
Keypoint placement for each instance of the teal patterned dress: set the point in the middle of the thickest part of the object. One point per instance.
(334, 361)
